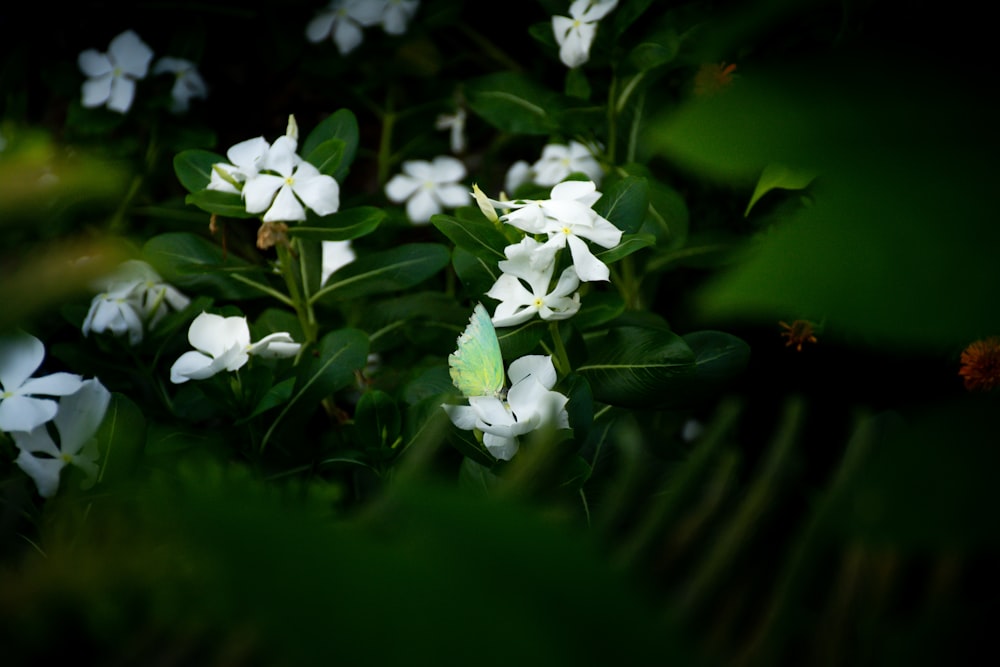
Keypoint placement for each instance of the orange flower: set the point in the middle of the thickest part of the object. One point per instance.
(981, 364)
(798, 332)
(713, 77)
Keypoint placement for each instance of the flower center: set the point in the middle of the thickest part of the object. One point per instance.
(289, 181)
(66, 458)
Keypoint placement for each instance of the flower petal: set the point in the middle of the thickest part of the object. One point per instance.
(122, 94)
(318, 28)
(44, 472)
(54, 384)
(286, 207)
(421, 206)
(452, 195)
(400, 187)
(80, 414)
(20, 355)
(23, 413)
(501, 447)
(96, 92)
(321, 193)
(347, 36)
(94, 64)
(214, 334)
(130, 54)
(259, 192)
(588, 267)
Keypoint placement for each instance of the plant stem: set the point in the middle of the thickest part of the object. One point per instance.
(302, 308)
(562, 359)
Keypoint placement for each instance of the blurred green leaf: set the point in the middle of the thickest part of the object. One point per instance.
(121, 439)
(377, 419)
(778, 176)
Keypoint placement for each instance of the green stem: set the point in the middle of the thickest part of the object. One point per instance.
(562, 359)
(612, 121)
(302, 307)
(264, 288)
(385, 141)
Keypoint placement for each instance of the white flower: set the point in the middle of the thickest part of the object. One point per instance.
(295, 179)
(336, 254)
(558, 161)
(20, 356)
(530, 404)
(456, 123)
(427, 187)
(575, 33)
(344, 20)
(246, 158)
(567, 218)
(80, 415)
(112, 75)
(518, 174)
(223, 343)
(397, 14)
(132, 298)
(188, 83)
(532, 262)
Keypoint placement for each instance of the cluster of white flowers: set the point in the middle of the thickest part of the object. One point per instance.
(131, 300)
(556, 163)
(274, 180)
(575, 33)
(112, 76)
(25, 413)
(223, 343)
(530, 404)
(345, 20)
(428, 187)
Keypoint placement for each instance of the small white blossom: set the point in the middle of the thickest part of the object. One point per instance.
(427, 187)
(112, 75)
(532, 263)
(575, 33)
(20, 408)
(517, 175)
(132, 299)
(530, 404)
(281, 195)
(223, 343)
(344, 20)
(558, 161)
(567, 218)
(188, 83)
(80, 414)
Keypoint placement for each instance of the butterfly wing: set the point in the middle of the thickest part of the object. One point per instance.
(476, 366)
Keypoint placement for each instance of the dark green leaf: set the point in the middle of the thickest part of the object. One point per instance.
(638, 367)
(228, 204)
(477, 235)
(629, 244)
(328, 157)
(377, 419)
(193, 263)
(342, 125)
(624, 203)
(194, 168)
(514, 103)
(386, 271)
(351, 223)
(477, 274)
(121, 438)
(719, 358)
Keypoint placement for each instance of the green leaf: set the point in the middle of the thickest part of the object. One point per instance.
(624, 203)
(476, 477)
(598, 308)
(386, 271)
(476, 235)
(275, 396)
(470, 446)
(377, 420)
(522, 339)
(477, 274)
(629, 244)
(351, 223)
(637, 367)
(327, 157)
(121, 438)
(719, 357)
(779, 176)
(194, 168)
(650, 55)
(514, 103)
(228, 204)
(342, 125)
(193, 263)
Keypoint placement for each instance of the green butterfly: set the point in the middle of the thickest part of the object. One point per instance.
(476, 366)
